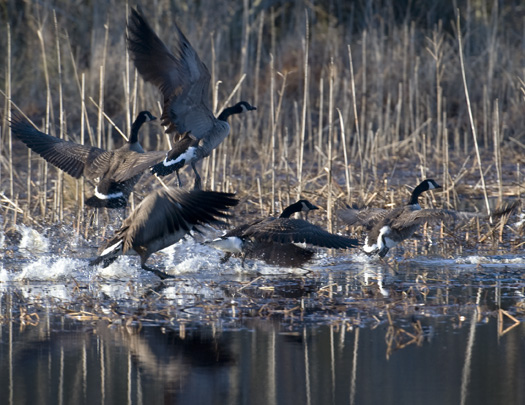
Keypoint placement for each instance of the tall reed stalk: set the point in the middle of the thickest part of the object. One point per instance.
(471, 118)
(302, 132)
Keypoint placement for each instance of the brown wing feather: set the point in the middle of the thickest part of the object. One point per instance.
(67, 156)
(287, 230)
(180, 75)
(367, 217)
(417, 217)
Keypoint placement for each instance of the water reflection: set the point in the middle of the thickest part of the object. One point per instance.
(438, 331)
(60, 361)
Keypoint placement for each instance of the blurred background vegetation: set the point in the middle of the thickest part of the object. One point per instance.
(409, 96)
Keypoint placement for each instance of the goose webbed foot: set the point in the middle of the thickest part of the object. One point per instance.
(159, 273)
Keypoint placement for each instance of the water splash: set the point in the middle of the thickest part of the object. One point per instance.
(32, 242)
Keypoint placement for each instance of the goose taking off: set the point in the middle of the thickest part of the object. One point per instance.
(387, 228)
(115, 169)
(164, 217)
(183, 81)
(273, 239)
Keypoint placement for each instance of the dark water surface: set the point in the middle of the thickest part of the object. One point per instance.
(65, 362)
(416, 331)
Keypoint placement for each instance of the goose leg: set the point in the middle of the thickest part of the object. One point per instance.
(226, 257)
(197, 185)
(383, 252)
(178, 178)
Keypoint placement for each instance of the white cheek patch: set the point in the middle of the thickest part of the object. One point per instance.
(431, 186)
(188, 155)
(101, 196)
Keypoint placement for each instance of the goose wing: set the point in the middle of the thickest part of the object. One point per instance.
(173, 213)
(180, 75)
(417, 217)
(367, 217)
(288, 230)
(66, 155)
(132, 164)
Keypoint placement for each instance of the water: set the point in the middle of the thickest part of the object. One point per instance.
(349, 330)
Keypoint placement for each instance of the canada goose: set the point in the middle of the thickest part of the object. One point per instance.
(184, 82)
(387, 228)
(164, 217)
(272, 239)
(112, 170)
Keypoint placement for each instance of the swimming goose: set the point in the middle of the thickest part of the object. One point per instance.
(164, 217)
(184, 82)
(387, 228)
(113, 171)
(273, 239)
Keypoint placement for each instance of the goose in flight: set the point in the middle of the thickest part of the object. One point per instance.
(184, 82)
(163, 218)
(274, 240)
(114, 171)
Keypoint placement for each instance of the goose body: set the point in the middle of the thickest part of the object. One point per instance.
(387, 228)
(274, 239)
(163, 218)
(114, 171)
(184, 82)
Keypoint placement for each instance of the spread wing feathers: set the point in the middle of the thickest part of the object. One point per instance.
(289, 230)
(241, 229)
(67, 156)
(417, 217)
(133, 164)
(367, 217)
(172, 212)
(181, 76)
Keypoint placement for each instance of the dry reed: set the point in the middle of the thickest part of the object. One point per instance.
(408, 108)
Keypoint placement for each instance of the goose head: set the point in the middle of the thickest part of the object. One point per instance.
(425, 185)
(142, 117)
(300, 206)
(239, 108)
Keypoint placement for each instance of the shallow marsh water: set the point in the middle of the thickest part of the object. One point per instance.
(352, 330)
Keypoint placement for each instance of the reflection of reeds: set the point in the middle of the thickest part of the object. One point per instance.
(398, 338)
(501, 314)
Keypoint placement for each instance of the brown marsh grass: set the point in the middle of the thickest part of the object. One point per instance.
(355, 101)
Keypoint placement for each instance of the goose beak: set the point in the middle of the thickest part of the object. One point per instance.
(252, 108)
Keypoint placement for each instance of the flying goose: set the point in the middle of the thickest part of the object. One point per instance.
(387, 228)
(273, 239)
(183, 81)
(113, 171)
(164, 217)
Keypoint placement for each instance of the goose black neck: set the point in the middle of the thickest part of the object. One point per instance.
(134, 136)
(291, 209)
(223, 116)
(414, 198)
